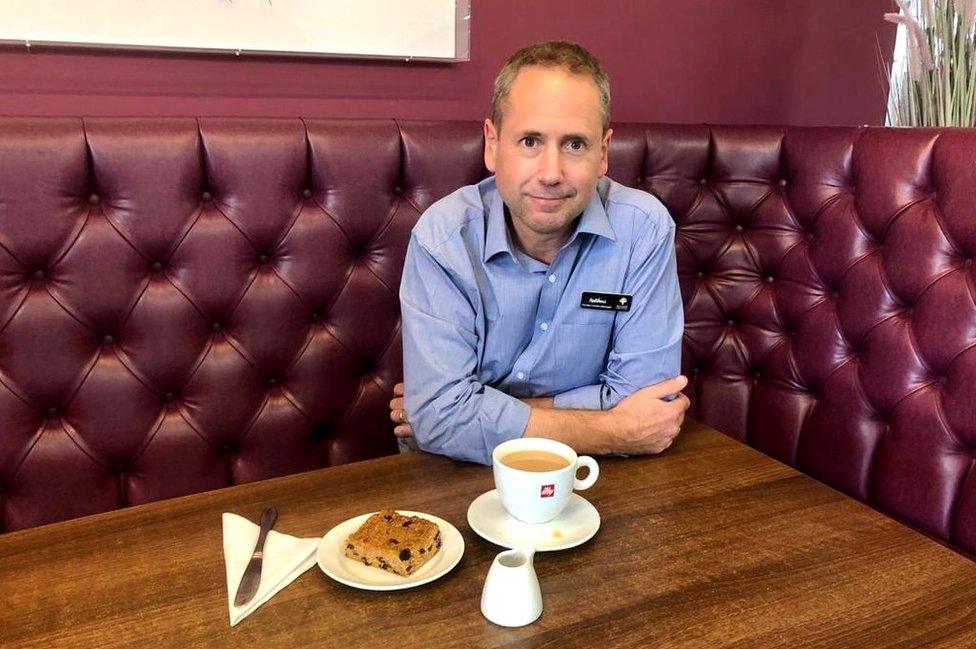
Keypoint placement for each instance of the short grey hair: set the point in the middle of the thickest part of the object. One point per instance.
(572, 58)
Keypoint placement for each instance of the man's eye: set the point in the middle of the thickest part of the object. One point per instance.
(577, 145)
(529, 141)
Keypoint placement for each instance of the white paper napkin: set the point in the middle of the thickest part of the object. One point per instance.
(285, 558)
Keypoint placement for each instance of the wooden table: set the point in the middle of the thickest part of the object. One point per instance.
(710, 544)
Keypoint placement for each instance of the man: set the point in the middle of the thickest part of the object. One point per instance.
(543, 301)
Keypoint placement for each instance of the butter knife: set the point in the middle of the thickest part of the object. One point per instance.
(252, 573)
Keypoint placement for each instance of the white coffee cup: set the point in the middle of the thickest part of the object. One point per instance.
(539, 496)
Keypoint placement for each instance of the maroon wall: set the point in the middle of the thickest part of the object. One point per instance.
(802, 62)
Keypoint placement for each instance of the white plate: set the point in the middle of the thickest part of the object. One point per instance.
(336, 564)
(574, 526)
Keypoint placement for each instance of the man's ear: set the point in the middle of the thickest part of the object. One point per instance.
(491, 145)
(605, 152)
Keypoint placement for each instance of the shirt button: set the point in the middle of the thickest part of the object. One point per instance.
(520, 375)
(552, 279)
(544, 326)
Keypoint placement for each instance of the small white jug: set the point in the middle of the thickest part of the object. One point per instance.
(511, 596)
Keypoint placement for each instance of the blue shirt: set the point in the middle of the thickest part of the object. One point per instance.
(484, 324)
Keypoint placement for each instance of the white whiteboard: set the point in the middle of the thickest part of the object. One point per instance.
(422, 29)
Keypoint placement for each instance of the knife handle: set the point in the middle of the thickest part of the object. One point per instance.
(268, 519)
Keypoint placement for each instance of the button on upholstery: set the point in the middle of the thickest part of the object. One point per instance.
(217, 326)
(157, 266)
(739, 227)
(321, 430)
(38, 274)
(273, 381)
(94, 199)
(699, 274)
(205, 196)
(307, 193)
(702, 181)
(398, 190)
(263, 258)
(53, 412)
(316, 316)
(108, 339)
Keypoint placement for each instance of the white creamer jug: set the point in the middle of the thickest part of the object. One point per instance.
(511, 596)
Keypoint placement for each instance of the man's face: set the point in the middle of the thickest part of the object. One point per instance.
(549, 151)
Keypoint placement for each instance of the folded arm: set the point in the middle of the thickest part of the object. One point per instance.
(452, 413)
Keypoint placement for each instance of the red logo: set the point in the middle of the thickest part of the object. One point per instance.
(548, 491)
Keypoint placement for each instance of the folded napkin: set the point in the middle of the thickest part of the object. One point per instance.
(285, 558)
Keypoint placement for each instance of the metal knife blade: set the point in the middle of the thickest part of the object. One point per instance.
(252, 573)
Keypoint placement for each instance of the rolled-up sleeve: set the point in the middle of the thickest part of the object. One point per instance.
(585, 397)
(451, 412)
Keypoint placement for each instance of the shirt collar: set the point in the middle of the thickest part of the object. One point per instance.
(498, 239)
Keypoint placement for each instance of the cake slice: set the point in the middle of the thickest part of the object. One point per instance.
(396, 543)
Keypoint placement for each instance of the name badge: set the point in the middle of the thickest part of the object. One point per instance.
(606, 301)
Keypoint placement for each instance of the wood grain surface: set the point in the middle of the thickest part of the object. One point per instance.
(710, 544)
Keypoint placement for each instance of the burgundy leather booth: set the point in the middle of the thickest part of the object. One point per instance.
(187, 304)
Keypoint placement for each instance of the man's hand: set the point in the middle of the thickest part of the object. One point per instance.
(398, 415)
(643, 423)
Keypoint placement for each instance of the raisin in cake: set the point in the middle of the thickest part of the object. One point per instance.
(399, 544)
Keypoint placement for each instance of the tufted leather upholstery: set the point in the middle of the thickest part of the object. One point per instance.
(188, 304)
(830, 300)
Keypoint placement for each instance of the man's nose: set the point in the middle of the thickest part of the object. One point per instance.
(550, 166)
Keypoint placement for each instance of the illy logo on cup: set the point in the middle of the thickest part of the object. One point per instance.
(548, 491)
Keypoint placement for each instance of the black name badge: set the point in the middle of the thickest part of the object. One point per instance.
(606, 301)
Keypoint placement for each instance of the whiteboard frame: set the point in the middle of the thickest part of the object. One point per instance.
(462, 45)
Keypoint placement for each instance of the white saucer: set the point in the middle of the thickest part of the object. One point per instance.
(574, 526)
(336, 564)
